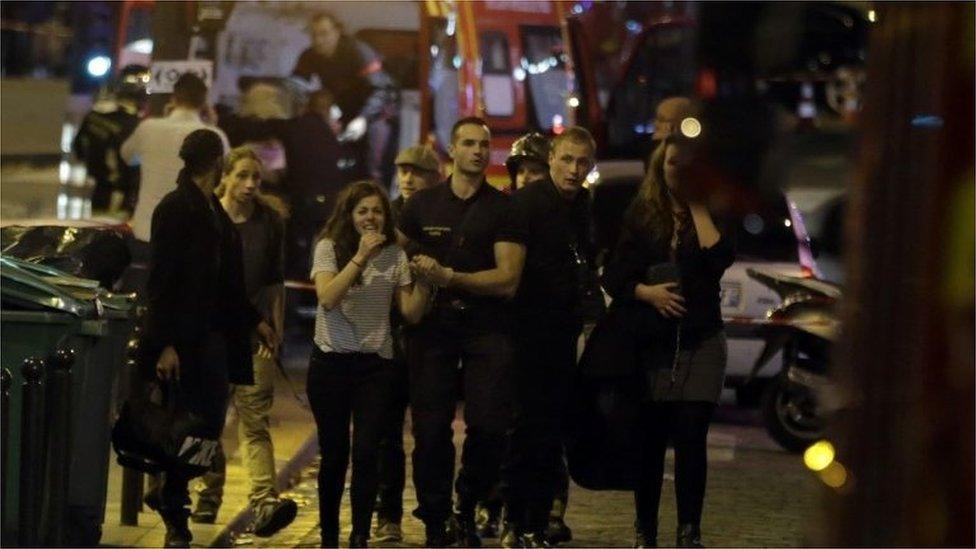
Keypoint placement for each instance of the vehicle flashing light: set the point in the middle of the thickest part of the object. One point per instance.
(99, 66)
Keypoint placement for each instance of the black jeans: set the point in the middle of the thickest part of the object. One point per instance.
(486, 357)
(204, 392)
(546, 356)
(392, 460)
(344, 386)
(686, 425)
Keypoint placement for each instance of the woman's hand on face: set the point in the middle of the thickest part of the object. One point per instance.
(369, 245)
(664, 298)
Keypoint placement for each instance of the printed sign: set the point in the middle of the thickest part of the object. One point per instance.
(165, 74)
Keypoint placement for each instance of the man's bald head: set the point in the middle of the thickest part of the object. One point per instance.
(670, 112)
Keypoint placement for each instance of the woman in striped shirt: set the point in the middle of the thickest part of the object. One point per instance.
(359, 271)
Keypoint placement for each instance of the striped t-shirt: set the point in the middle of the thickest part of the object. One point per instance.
(361, 321)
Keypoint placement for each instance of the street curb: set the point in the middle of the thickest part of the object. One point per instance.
(288, 477)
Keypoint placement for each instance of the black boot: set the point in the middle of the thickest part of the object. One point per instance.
(464, 530)
(437, 535)
(645, 536)
(558, 531)
(177, 532)
(689, 535)
(358, 540)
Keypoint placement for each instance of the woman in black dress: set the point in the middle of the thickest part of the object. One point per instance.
(670, 258)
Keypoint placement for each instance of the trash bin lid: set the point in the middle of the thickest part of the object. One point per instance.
(23, 285)
(105, 303)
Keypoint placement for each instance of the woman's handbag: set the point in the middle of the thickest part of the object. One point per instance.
(602, 448)
(154, 434)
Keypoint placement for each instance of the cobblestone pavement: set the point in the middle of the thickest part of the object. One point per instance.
(758, 496)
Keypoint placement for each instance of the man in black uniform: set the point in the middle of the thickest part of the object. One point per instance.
(418, 168)
(549, 319)
(471, 247)
(366, 94)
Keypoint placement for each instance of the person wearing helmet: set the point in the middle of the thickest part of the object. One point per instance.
(528, 160)
(113, 118)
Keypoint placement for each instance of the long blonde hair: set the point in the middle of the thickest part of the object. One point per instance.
(269, 201)
(649, 217)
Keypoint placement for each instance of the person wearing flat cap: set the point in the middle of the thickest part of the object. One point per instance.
(417, 168)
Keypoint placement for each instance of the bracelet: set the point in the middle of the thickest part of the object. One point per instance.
(353, 261)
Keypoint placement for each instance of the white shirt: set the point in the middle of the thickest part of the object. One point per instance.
(155, 145)
(361, 322)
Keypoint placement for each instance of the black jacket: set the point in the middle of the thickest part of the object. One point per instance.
(558, 253)
(623, 340)
(700, 272)
(355, 76)
(196, 283)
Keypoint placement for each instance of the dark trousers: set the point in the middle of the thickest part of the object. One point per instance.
(344, 386)
(203, 391)
(546, 356)
(434, 352)
(685, 424)
(392, 459)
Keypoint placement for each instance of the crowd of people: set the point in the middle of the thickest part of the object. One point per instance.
(453, 291)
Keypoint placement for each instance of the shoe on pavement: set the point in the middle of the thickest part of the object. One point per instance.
(437, 536)
(388, 531)
(689, 535)
(205, 512)
(487, 521)
(558, 532)
(464, 530)
(533, 541)
(358, 540)
(272, 515)
(644, 536)
(510, 535)
(177, 532)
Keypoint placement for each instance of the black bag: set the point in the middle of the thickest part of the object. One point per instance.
(602, 449)
(153, 434)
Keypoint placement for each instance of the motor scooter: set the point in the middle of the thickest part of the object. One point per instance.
(797, 402)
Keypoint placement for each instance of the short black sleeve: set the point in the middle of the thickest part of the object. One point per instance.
(512, 226)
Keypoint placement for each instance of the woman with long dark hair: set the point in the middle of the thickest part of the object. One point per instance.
(670, 258)
(359, 272)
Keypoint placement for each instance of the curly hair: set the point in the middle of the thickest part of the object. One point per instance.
(340, 229)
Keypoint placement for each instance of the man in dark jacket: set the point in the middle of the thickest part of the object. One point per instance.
(102, 132)
(364, 92)
(199, 319)
(549, 319)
